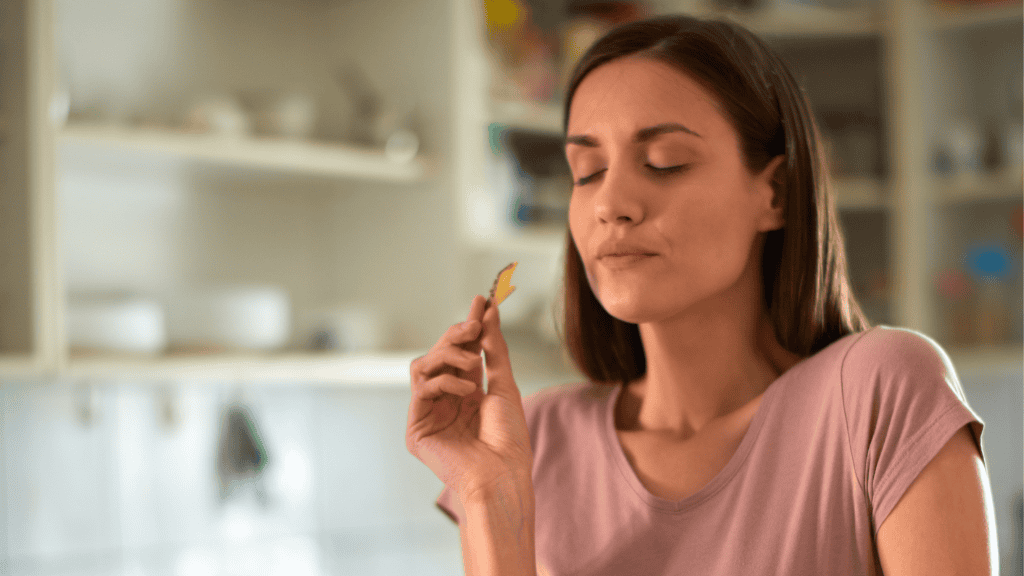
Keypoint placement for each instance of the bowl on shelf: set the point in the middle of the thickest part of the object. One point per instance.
(113, 323)
(240, 318)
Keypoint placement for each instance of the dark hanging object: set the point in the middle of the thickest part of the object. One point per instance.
(241, 457)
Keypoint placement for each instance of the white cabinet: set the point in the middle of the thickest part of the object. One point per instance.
(121, 198)
(135, 196)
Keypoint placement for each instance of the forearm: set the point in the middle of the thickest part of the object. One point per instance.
(497, 535)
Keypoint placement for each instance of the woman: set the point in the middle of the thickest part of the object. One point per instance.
(741, 416)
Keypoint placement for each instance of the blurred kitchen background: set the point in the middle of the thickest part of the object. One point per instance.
(227, 227)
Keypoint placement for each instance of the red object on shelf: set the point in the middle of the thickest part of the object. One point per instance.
(1017, 221)
(954, 284)
(611, 12)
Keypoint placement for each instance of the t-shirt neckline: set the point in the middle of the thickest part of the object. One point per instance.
(618, 455)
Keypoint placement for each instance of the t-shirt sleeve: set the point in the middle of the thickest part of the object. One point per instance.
(903, 402)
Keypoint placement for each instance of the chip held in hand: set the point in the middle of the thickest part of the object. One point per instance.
(503, 284)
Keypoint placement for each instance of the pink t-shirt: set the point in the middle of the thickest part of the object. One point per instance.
(835, 443)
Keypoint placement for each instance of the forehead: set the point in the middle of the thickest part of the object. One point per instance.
(630, 93)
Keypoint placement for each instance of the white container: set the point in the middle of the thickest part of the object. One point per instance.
(352, 327)
(132, 325)
(238, 318)
(964, 141)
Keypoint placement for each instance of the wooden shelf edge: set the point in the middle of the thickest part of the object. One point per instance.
(19, 366)
(311, 158)
(982, 357)
(535, 116)
(1005, 185)
(383, 369)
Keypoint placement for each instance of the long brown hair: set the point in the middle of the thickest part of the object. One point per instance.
(804, 270)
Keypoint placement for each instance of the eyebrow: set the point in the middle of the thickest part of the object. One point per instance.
(642, 135)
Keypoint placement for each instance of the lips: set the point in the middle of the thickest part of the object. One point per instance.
(630, 254)
(624, 248)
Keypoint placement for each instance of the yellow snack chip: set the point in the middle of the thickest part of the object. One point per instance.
(502, 286)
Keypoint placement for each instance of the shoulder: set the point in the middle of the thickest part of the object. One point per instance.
(887, 356)
(559, 410)
(887, 344)
(565, 399)
(902, 401)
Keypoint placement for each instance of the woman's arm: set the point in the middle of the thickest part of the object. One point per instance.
(945, 522)
(497, 532)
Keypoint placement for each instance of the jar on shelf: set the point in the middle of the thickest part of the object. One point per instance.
(993, 321)
(956, 292)
(990, 263)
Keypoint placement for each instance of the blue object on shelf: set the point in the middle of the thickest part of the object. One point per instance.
(988, 261)
(496, 136)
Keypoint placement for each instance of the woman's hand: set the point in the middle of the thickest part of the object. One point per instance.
(473, 441)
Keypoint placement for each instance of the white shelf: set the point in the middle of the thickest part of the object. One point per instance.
(1006, 185)
(384, 369)
(542, 240)
(1002, 357)
(533, 367)
(540, 117)
(952, 17)
(18, 366)
(297, 157)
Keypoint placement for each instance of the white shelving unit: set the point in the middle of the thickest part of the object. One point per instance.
(185, 208)
(328, 245)
(290, 156)
(386, 369)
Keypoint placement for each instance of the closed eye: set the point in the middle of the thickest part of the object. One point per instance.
(666, 170)
(587, 179)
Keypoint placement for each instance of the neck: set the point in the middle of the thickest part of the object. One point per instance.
(703, 368)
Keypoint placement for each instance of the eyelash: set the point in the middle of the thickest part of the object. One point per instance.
(660, 171)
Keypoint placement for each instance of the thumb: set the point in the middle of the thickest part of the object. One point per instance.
(500, 381)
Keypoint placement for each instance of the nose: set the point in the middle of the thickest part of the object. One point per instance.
(619, 196)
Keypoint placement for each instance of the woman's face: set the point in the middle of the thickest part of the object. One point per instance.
(657, 165)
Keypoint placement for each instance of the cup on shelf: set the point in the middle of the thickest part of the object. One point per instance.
(221, 115)
(963, 142)
(281, 114)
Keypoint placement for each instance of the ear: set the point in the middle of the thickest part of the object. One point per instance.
(771, 184)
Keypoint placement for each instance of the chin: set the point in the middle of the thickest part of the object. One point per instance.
(630, 309)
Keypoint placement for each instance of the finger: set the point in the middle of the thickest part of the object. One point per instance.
(497, 363)
(477, 308)
(450, 356)
(460, 333)
(442, 384)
